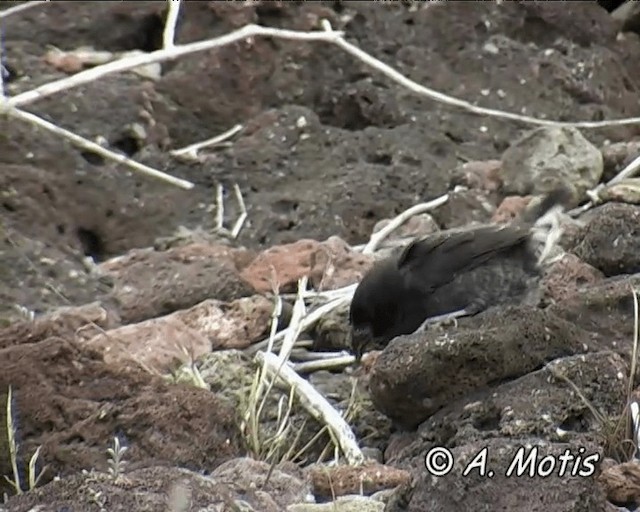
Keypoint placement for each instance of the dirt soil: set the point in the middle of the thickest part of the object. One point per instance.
(328, 147)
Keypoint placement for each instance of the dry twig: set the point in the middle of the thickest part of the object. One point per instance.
(96, 148)
(22, 7)
(377, 238)
(190, 152)
(316, 405)
(328, 35)
(594, 194)
(174, 52)
(399, 78)
(237, 227)
(330, 363)
(169, 34)
(310, 319)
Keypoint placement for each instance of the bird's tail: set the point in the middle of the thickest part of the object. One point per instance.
(546, 215)
(558, 199)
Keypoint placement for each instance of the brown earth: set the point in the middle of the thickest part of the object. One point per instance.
(329, 147)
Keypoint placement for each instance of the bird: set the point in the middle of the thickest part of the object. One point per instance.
(455, 273)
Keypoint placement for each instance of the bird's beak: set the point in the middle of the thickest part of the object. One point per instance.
(361, 338)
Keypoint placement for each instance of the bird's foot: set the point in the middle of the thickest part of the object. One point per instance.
(443, 321)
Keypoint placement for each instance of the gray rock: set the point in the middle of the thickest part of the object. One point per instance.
(628, 16)
(259, 484)
(342, 504)
(624, 191)
(604, 310)
(417, 375)
(610, 241)
(546, 157)
(541, 403)
(455, 492)
(617, 156)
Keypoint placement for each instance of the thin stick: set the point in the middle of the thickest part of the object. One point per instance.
(300, 355)
(333, 363)
(306, 322)
(168, 36)
(243, 212)
(220, 207)
(96, 148)
(175, 52)
(378, 237)
(316, 405)
(634, 353)
(191, 151)
(295, 326)
(3, 96)
(328, 36)
(399, 78)
(326, 294)
(22, 7)
(628, 172)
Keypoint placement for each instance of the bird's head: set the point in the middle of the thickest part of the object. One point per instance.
(374, 308)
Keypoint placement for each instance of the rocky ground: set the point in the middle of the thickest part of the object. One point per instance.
(125, 314)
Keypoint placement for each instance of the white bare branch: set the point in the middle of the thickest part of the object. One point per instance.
(295, 325)
(327, 35)
(133, 61)
(219, 207)
(377, 238)
(22, 7)
(309, 320)
(237, 227)
(406, 82)
(190, 152)
(169, 34)
(594, 194)
(92, 146)
(329, 363)
(316, 405)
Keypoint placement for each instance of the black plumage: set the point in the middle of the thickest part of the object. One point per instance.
(449, 274)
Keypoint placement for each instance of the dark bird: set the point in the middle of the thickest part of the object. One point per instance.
(454, 273)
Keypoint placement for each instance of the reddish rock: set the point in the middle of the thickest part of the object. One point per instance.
(481, 175)
(621, 482)
(510, 208)
(329, 265)
(67, 400)
(566, 276)
(152, 283)
(366, 479)
(67, 322)
(160, 343)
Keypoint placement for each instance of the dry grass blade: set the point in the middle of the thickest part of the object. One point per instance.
(632, 425)
(308, 321)
(317, 406)
(13, 446)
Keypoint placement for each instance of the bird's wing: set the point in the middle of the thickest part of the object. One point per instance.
(435, 260)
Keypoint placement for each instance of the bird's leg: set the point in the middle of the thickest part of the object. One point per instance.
(443, 320)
